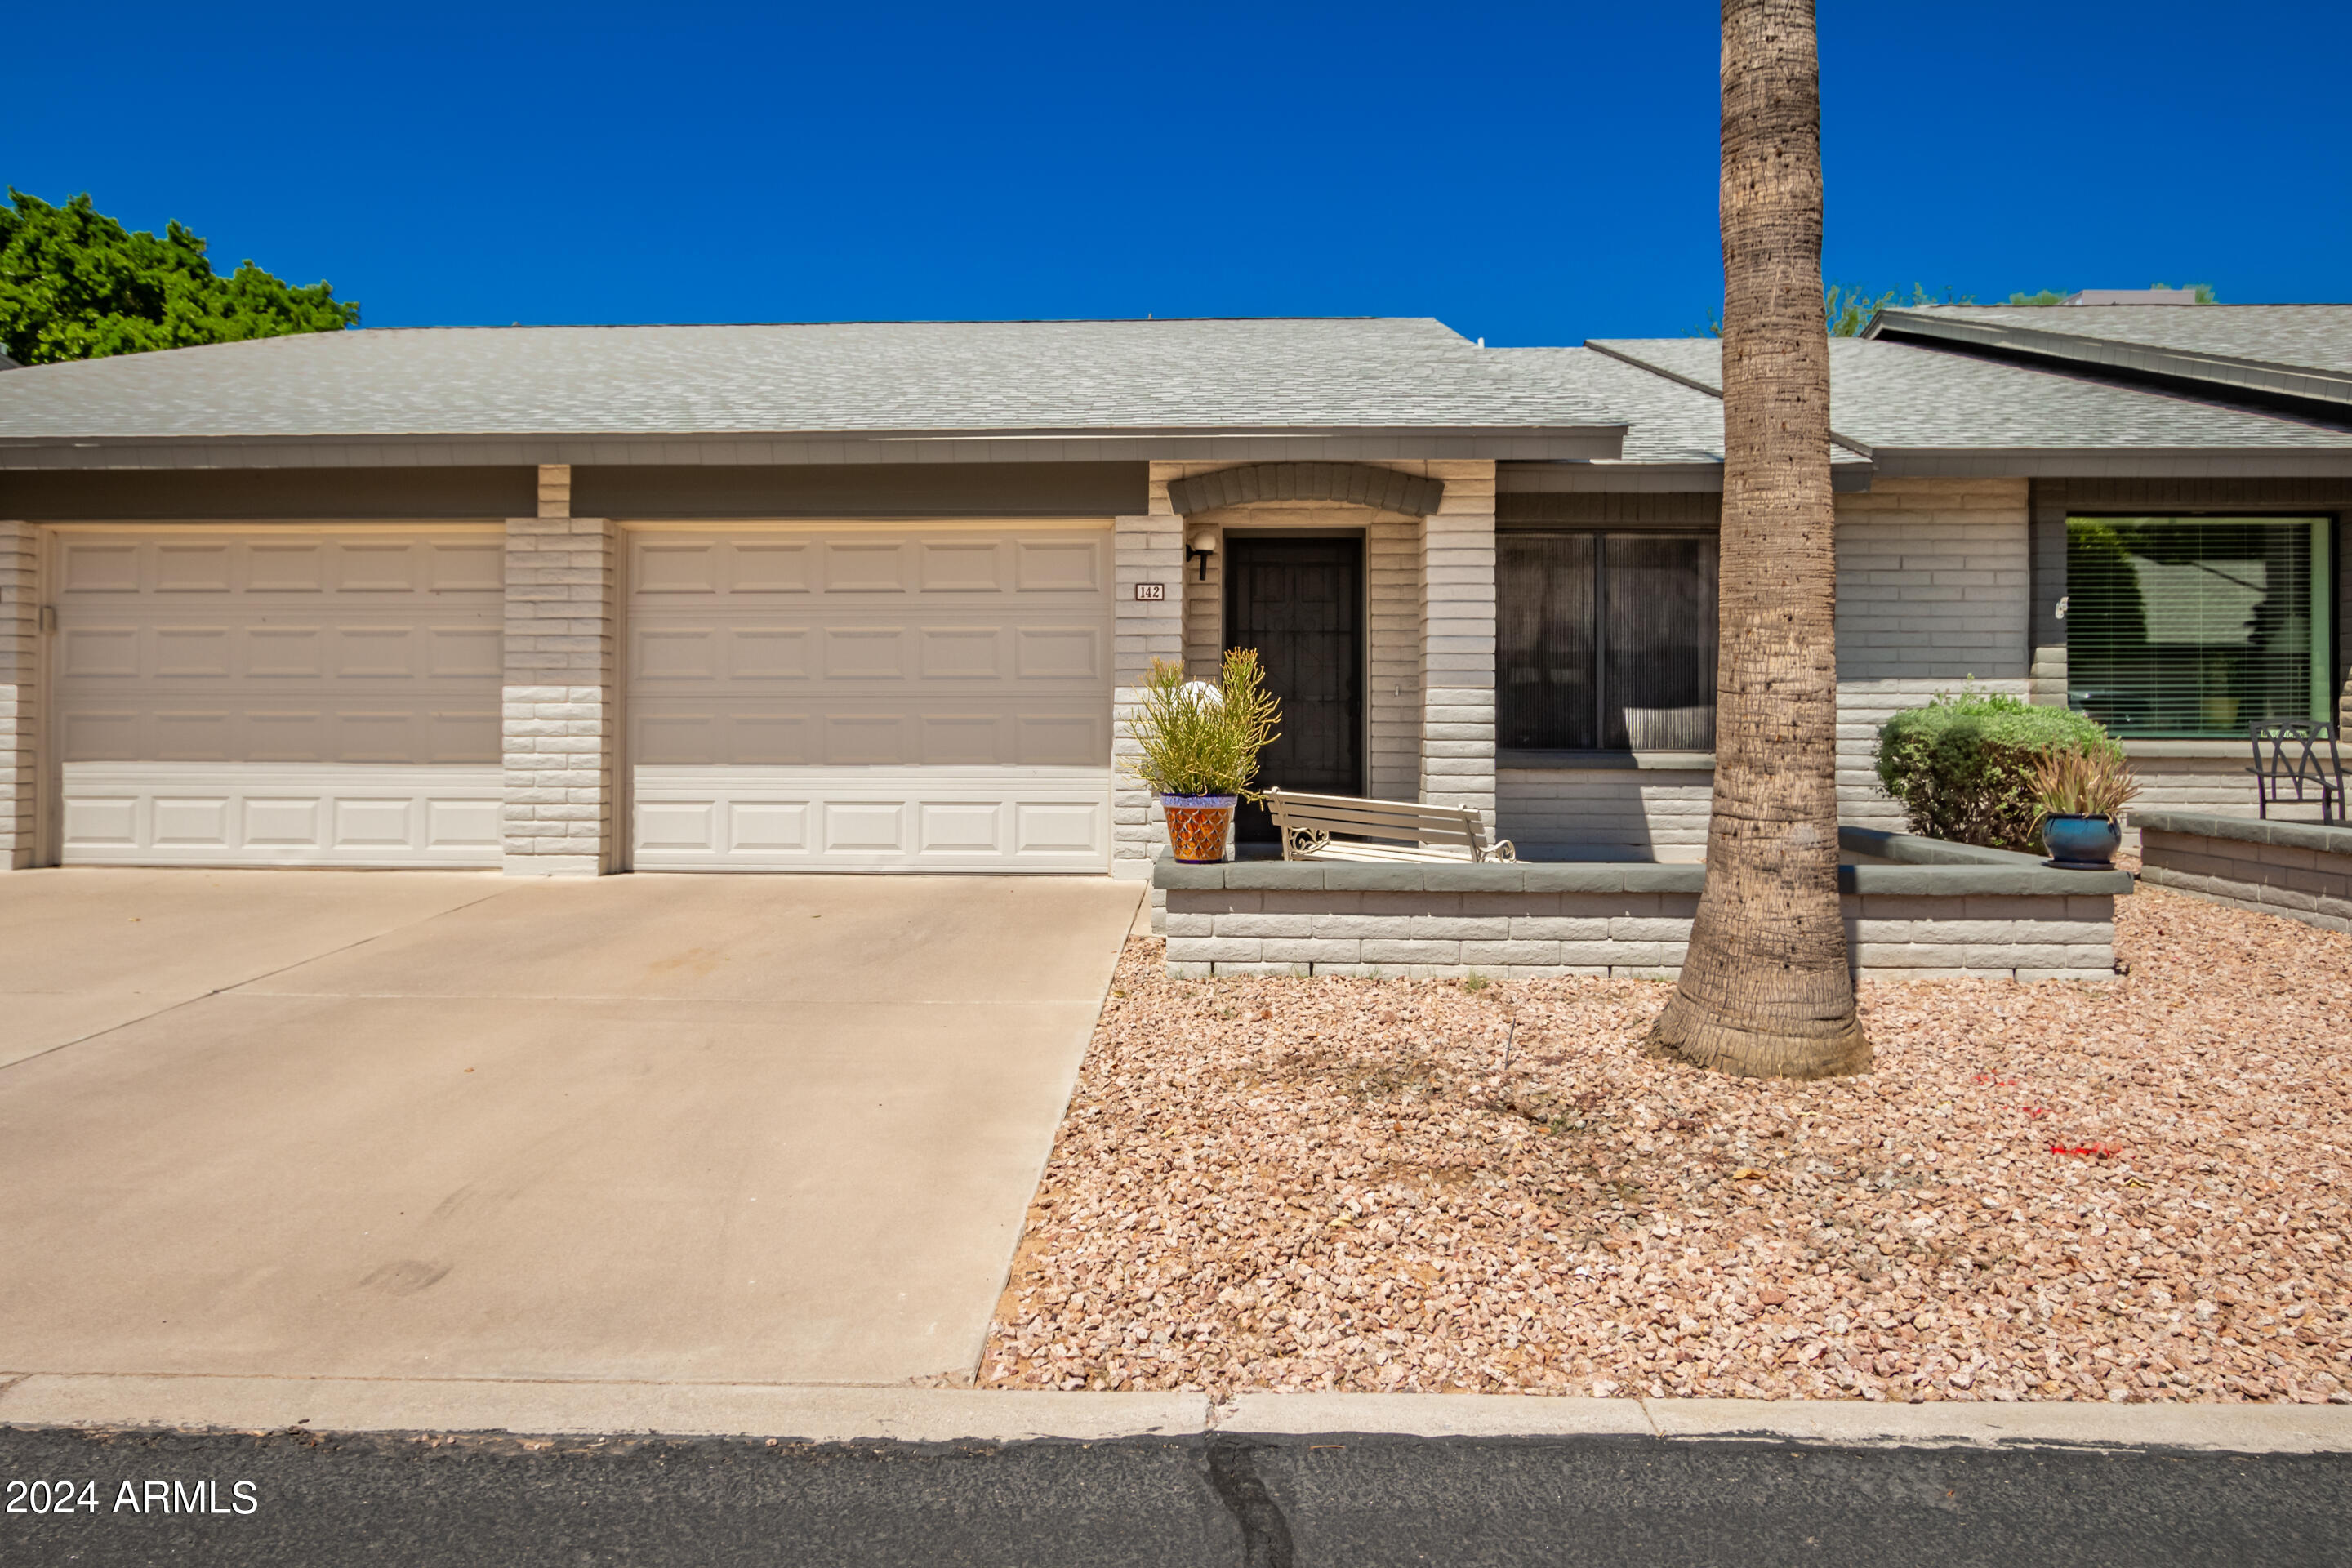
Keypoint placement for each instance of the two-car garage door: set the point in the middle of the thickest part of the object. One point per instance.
(922, 697)
(861, 697)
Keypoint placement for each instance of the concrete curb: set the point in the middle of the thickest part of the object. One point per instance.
(812, 1414)
(837, 1414)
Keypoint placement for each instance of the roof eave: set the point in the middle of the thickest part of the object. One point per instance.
(1534, 442)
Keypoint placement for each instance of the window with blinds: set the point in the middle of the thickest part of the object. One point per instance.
(2190, 627)
(1605, 641)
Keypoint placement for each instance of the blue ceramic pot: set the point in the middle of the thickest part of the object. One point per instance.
(2082, 840)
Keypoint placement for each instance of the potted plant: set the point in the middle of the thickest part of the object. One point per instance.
(1197, 745)
(2082, 792)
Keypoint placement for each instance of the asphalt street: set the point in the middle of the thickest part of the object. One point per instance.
(1361, 1501)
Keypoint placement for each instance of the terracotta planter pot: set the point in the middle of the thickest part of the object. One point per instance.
(1198, 825)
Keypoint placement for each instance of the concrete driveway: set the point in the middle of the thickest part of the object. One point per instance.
(382, 1125)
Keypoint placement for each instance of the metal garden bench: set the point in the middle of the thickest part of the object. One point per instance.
(1407, 830)
(2290, 754)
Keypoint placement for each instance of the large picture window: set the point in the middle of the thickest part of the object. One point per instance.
(1605, 641)
(2192, 627)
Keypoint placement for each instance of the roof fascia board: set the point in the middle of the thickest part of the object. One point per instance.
(1644, 478)
(1859, 448)
(2325, 387)
(1526, 444)
(2113, 463)
(1585, 479)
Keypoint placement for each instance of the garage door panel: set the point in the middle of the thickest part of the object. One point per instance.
(248, 814)
(889, 712)
(1059, 653)
(1074, 566)
(185, 653)
(99, 653)
(865, 653)
(94, 568)
(910, 820)
(1059, 740)
(474, 569)
(199, 735)
(869, 740)
(285, 653)
(460, 735)
(465, 653)
(198, 664)
(386, 567)
(866, 566)
(291, 568)
(962, 566)
(206, 568)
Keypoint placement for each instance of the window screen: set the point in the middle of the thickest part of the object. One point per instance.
(2197, 626)
(1605, 641)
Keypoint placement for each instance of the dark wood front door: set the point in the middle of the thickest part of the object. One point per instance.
(1300, 603)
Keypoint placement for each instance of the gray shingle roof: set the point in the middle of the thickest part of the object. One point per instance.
(1896, 395)
(853, 377)
(1668, 422)
(2315, 337)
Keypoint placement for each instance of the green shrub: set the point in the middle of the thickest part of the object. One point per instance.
(1964, 766)
(1192, 738)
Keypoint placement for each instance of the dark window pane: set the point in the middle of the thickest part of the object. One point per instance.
(1544, 640)
(2192, 627)
(1660, 642)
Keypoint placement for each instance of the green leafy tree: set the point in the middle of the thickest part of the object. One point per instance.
(75, 284)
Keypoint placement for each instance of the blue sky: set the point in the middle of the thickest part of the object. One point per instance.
(1526, 174)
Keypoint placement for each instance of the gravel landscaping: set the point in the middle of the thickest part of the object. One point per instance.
(2127, 1191)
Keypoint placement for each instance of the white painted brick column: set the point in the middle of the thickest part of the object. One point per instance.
(1148, 549)
(1457, 553)
(560, 696)
(19, 693)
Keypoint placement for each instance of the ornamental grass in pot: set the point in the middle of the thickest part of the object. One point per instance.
(1197, 745)
(2082, 792)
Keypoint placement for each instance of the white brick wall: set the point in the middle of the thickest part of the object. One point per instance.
(1213, 931)
(1457, 640)
(1148, 549)
(1933, 591)
(19, 690)
(561, 698)
(1606, 813)
(2314, 886)
(1393, 657)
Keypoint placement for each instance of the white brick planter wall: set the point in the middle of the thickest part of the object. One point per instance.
(1952, 911)
(2298, 869)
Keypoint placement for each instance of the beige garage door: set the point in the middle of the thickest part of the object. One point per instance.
(838, 697)
(290, 696)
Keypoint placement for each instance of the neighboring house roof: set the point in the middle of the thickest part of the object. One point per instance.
(1919, 411)
(862, 380)
(2302, 353)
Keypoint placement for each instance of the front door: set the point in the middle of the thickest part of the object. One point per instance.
(1300, 603)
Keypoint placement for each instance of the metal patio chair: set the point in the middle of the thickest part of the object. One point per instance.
(2299, 754)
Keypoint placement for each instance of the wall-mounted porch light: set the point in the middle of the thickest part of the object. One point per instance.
(1205, 544)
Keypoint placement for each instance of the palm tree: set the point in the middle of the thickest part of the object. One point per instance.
(1765, 990)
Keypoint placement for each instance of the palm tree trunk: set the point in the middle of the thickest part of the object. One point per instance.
(1766, 990)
